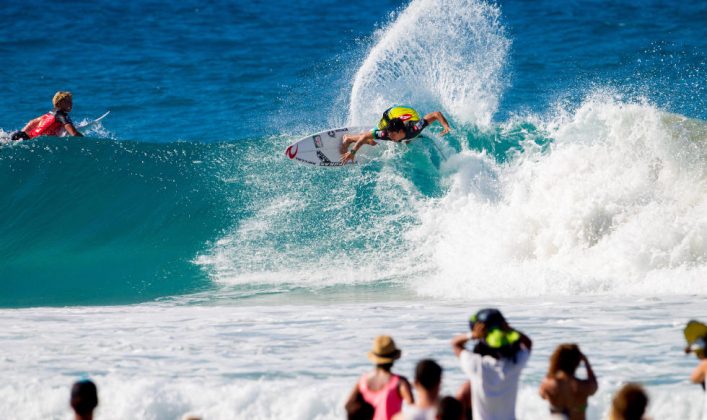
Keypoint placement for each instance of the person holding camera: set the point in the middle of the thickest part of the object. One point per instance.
(566, 393)
(494, 365)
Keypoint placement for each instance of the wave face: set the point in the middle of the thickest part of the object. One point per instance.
(606, 198)
(99, 221)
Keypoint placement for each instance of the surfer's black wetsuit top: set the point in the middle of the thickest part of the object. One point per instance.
(411, 119)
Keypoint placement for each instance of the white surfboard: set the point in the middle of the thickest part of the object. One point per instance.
(89, 123)
(321, 149)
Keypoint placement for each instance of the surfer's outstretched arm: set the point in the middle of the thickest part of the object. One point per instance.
(69, 127)
(359, 140)
(438, 116)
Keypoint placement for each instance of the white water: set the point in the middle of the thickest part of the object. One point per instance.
(617, 204)
(298, 361)
(442, 53)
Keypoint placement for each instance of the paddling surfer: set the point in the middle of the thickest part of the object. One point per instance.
(53, 123)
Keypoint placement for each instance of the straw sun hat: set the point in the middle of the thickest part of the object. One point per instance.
(384, 350)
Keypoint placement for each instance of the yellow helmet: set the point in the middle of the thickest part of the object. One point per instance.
(60, 96)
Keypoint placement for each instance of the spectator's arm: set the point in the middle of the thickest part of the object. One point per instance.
(590, 385)
(406, 391)
(698, 375)
(544, 387)
(458, 343)
(525, 341)
(353, 397)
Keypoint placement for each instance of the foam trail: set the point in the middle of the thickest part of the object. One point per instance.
(616, 204)
(437, 53)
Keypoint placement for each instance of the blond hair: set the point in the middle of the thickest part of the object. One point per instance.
(60, 96)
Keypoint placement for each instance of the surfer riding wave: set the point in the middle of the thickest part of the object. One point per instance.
(398, 123)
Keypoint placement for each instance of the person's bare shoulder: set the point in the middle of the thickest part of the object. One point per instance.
(548, 386)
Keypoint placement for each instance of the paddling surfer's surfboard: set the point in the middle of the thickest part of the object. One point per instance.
(89, 123)
(323, 148)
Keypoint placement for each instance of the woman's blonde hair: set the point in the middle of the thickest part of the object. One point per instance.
(60, 96)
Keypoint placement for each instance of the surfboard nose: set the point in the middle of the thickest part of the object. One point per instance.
(290, 152)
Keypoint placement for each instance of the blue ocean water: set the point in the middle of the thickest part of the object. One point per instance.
(184, 188)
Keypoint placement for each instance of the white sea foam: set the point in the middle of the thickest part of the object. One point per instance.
(617, 204)
(447, 53)
(614, 205)
(299, 361)
(312, 228)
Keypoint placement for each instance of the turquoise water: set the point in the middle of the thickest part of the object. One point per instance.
(184, 187)
(89, 221)
(100, 221)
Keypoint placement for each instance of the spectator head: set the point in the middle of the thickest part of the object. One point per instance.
(565, 358)
(449, 408)
(384, 352)
(428, 375)
(629, 403)
(486, 320)
(84, 398)
(496, 338)
(696, 335)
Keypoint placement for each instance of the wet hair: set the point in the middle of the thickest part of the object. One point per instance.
(84, 397)
(449, 408)
(629, 403)
(565, 358)
(396, 124)
(60, 96)
(428, 374)
(359, 409)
